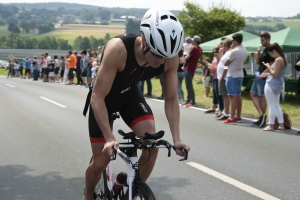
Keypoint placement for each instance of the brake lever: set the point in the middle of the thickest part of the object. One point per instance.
(166, 144)
(185, 153)
(114, 156)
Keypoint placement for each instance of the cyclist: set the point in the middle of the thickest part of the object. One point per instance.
(126, 60)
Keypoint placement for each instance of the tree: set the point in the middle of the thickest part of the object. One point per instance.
(24, 25)
(217, 22)
(77, 42)
(116, 15)
(63, 44)
(32, 24)
(106, 38)
(104, 14)
(12, 20)
(2, 22)
(13, 28)
(133, 27)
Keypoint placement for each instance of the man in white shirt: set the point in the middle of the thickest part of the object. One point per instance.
(235, 75)
(221, 74)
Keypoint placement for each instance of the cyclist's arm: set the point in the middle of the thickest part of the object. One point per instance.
(170, 94)
(113, 60)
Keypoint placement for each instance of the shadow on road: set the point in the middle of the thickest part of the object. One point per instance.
(17, 183)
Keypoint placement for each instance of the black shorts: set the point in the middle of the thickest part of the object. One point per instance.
(56, 70)
(132, 107)
(62, 71)
(46, 71)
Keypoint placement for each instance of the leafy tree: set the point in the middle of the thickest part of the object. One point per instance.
(214, 23)
(13, 28)
(116, 15)
(133, 27)
(24, 25)
(63, 44)
(87, 15)
(32, 24)
(104, 14)
(12, 20)
(107, 38)
(77, 42)
(61, 11)
(85, 43)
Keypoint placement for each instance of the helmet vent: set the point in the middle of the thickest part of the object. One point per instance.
(163, 38)
(180, 38)
(161, 53)
(152, 42)
(146, 25)
(163, 17)
(174, 18)
(173, 43)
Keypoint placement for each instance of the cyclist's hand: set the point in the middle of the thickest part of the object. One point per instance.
(108, 147)
(179, 146)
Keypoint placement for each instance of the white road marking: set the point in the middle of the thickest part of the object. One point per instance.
(58, 104)
(233, 182)
(10, 85)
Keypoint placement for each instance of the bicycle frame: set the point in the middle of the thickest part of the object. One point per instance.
(132, 168)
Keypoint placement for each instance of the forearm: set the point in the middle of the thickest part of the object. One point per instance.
(257, 59)
(172, 113)
(224, 74)
(100, 112)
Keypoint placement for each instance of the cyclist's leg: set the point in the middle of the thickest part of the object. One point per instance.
(95, 169)
(137, 114)
(140, 128)
(100, 160)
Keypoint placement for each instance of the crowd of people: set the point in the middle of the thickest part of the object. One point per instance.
(83, 65)
(227, 73)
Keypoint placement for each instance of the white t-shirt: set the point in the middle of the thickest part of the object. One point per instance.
(187, 47)
(47, 61)
(221, 64)
(94, 71)
(237, 57)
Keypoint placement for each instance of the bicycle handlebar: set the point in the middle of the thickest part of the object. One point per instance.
(148, 143)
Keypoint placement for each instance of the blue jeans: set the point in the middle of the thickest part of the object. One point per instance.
(149, 86)
(35, 74)
(217, 99)
(189, 87)
(180, 79)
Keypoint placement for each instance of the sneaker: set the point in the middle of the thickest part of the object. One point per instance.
(263, 121)
(223, 117)
(184, 103)
(189, 104)
(217, 116)
(257, 123)
(229, 121)
(238, 120)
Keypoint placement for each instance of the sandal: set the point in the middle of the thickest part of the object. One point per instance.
(210, 110)
(280, 129)
(268, 129)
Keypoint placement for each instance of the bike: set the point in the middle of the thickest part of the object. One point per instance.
(134, 187)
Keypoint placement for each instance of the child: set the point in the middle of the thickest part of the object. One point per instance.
(206, 77)
(94, 71)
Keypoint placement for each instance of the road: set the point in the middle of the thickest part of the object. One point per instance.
(45, 150)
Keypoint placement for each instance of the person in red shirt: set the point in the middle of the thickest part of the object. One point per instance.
(190, 68)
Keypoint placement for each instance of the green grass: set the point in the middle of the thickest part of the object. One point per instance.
(293, 24)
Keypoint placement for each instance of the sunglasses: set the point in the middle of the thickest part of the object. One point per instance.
(156, 55)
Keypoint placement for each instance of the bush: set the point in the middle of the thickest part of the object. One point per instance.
(2, 22)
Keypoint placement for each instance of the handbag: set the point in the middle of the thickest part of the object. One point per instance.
(286, 122)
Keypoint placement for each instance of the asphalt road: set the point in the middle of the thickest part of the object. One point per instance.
(45, 150)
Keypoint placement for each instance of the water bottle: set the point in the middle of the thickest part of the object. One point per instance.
(119, 182)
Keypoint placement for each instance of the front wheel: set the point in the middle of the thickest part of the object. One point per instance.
(140, 191)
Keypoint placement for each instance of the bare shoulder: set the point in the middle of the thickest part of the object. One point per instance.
(115, 54)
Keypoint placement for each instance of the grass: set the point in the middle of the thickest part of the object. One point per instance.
(248, 110)
(288, 23)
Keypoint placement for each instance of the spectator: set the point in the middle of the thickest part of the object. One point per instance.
(217, 99)
(222, 78)
(10, 69)
(100, 49)
(149, 87)
(66, 70)
(47, 58)
(234, 69)
(187, 46)
(42, 65)
(35, 68)
(78, 70)
(275, 77)
(89, 72)
(206, 77)
(51, 67)
(297, 67)
(83, 66)
(180, 74)
(71, 66)
(16, 68)
(62, 68)
(56, 68)
(27, 68)
(190, 69)
(257, 90)
(21, 67)
(94, 67)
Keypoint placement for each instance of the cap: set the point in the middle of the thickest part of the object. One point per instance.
(197, 38)
(188, 39)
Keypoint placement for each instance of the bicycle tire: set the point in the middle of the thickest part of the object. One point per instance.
(141, 189)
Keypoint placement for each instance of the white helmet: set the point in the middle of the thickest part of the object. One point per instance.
(163, 32)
